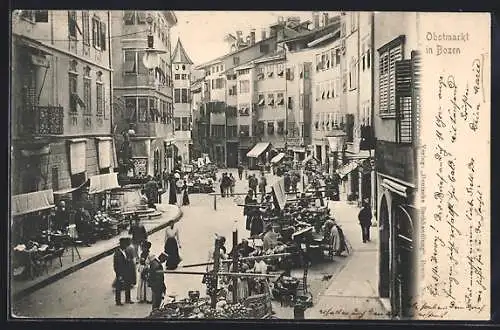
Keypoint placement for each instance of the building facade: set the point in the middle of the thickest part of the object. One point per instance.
(143, 91)
(196, 104)
(182, 67)
(396, 85)
(62, 81)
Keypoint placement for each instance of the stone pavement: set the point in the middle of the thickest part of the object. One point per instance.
(90, 254)
(353, 291)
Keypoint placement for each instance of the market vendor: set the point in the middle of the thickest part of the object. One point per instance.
(304, 202)
(270, 240)
(61, 217)
(243, 249)
(83, 222)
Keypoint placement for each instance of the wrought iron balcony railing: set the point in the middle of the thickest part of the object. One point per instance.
(42, 120)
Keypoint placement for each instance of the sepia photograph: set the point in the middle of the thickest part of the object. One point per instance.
(239, 165)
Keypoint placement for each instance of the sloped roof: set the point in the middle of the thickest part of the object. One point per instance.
(180, 55)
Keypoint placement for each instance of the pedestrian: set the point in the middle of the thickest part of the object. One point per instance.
(232, 184)
(257, 224)
(122, 272)
(287, 182)
(240, 171)
(185, 194)
(172, 193)
(172, 245)
(83, 225)
(61, 217)
(365, 220)
(143, 289)
(156, 279)
(222, 188)
(132, 259)
(262, 183)
(139, 234)
(227, 184)
(165, 178)
(179, 185)
(247, 209)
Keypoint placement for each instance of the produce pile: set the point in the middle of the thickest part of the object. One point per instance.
(203, 310)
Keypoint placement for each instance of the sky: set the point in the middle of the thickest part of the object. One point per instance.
(202, 32)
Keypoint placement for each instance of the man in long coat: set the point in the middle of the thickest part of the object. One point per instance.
(123, 274)
(365, 220)
(156, 279)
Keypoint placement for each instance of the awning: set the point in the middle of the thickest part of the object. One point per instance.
(78, 158)
(103, 182)
(104, 151)
(299, 150)
(69, 190)
(336, 143)
(395, 187)
(258, 149)
(276, 159)
(32, 202)
(348, 168)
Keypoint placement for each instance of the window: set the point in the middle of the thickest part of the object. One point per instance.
(177, 95)
(184, 77)
(333, 58)
(281, 70)
(244, 130)
(343, 29)
(177, 76)
(270, 128)
(270, 70)
(354, 21)
(389, 55)
(307, 71)
(141, 17)
(75, 100)
(281, 99)
(72, 24)
(290, 102)
(368, 58)
(281, 127)
(244, 86)
(184, 95)
(143, 109)
(129, 17)
(177, 124)
(353, 75)
(133, 62)
(318, 92)
(98, 34)
(232, 131)
(87, 95)
(244, 110)
(35, 16)
(153, 109)
(262, 100)
(219, 83)
(318, 62)
(233, 90)
(163, 111)
(301, 101)
(86, 27)
(301, 71)
(290, 73)
(236, 60)
(185, 123)
(131, 108)
(270, 100)
(264, 48)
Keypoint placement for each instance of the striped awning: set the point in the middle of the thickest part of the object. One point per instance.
(276, 159)
(258, 149)
(32, 202)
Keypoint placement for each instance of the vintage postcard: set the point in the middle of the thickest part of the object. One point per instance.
(250, 165)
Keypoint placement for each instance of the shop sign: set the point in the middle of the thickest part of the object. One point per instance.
(396, 160)
(348, 168)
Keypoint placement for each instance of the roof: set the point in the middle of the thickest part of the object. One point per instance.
(180, 55)
(220, 58)
(311, 33)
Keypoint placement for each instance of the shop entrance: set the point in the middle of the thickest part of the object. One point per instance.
(232, 154)
(384, 270)
(404, 261)
(319, 156)
(156, 163)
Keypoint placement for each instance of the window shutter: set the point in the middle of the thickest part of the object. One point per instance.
(103, 35)
(395, 55)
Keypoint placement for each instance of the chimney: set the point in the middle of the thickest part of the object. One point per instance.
(264, 34)
(325, 19)
(239, 35)
(252, 37)
(316, 20)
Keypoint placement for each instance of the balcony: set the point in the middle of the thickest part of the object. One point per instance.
(42, 120)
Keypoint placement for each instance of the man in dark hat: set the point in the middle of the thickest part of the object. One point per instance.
(156, 278)
(365, 220)
(122, 271)
(138, 232)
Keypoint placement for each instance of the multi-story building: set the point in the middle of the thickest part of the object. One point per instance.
(196, 104)
(357, 100)
(396, 65)
(62, 121)
(182, 66)
(221, 135)
(143, 98)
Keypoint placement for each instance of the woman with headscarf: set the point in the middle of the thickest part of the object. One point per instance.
(185, 194)
(172, 246)
(333, 236)
(143, 290)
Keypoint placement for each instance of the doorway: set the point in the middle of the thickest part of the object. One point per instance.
(404, 280)
(232, 154)
(384, 270)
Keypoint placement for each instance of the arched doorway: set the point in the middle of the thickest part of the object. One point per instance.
(156, 163)
(384, 264)
(404, 259)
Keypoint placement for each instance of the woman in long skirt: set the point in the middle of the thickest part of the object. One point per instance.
(144, 294)
(256, 226)
(185, 194)
(172, 192)
(172, 245)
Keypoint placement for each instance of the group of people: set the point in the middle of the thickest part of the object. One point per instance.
(227, 184)
(178, 190)
(135, 265)
(254, 183)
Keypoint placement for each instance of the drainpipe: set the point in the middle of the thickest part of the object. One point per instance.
(372, 113)
(111, 86)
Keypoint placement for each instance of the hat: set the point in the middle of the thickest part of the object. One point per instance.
(151, 257)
